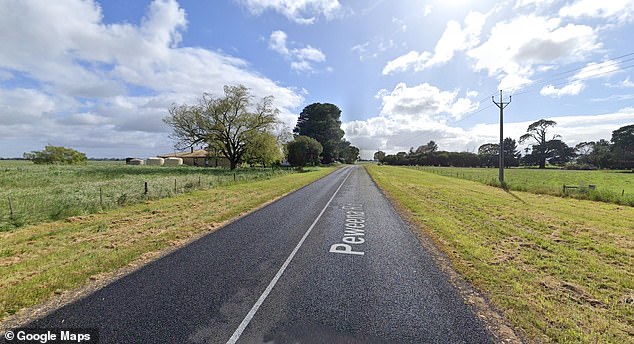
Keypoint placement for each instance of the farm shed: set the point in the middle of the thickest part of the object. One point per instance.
(136, 162)
(199, 157)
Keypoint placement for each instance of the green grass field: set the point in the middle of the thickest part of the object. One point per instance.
(40, 261)
(611, 186)
(559, 269)
(41, 193)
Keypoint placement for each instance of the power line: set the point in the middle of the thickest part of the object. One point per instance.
(535, 85)
(552, 77)
(592, 76)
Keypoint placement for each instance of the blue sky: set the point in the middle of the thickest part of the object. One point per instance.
(98, 76)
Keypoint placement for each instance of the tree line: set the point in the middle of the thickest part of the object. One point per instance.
(543, 149)
(236, 127)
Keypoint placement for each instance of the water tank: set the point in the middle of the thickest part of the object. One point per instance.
(154, 161)
(173, 161)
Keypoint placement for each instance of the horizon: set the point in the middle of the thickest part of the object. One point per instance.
(98, 76)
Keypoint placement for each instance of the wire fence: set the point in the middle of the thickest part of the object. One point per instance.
(605, 186)
(22, 205)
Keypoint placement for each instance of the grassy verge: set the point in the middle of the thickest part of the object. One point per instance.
(611, 186)
(32, 194)
(37, 262)
(560, 270)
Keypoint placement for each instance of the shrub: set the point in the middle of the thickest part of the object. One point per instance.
(57, 155)
(584, 167)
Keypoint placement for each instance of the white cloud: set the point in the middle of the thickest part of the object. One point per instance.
(361, 49)
(512, 51)
(427, 10)
(25, 106)
(576, 85)
(399, 23)
(571, 89)
(404, 62)
(277, 42)
(621, 10)
(627, 83)
(310, 54)
(302, 59)
(455, 38)
(76, 62)
(299, 11)
(597, 70)
(535, 3)
(412, 115)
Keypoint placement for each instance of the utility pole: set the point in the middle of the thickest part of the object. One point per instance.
(501, 105)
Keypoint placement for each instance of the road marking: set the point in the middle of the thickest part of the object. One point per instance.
(354, 230)
(247, 319)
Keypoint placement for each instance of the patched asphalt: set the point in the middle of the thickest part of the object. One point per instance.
(393, 293)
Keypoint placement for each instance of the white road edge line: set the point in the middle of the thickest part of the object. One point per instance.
(247, 319)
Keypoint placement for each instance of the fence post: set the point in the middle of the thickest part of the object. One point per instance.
(234, 176)
(564, 188)
(174, 185)
(199, 184)
(145, 184)
(100, 198)
(623, 193)
(10, 208)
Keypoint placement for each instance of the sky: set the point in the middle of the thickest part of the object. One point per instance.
(99, 76)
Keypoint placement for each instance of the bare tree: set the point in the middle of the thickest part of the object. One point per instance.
(227, 124)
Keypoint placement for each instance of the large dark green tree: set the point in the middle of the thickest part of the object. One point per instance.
(350, 154)
(322, 122)
(537, 132)
(559, 152)
(623, 140)
(379, 156)
(489, 154)
(598, 154)
(303, 150)
(511, 153)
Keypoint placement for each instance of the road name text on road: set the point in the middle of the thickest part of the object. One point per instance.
(354, 231)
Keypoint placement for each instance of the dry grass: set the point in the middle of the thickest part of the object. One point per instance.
(40, 261)
(560, 270)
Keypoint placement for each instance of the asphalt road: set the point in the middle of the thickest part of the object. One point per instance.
(329, 263)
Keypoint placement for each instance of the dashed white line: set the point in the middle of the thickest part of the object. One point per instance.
(247, 319)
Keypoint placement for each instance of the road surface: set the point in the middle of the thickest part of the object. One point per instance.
(329, 263)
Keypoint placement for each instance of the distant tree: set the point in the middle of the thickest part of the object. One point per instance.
(379, 156)
(537, 132)
(430, 147)
(559, 152)
(227, 124)
(303, 150)
(623, 149)
(264, 149)
(489, 148)
(598, 154)
(511, 153)
(322, 122)
(57, 155)
(350, 154)
(489, 154)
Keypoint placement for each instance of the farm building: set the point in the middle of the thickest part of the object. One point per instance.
(199, 157)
